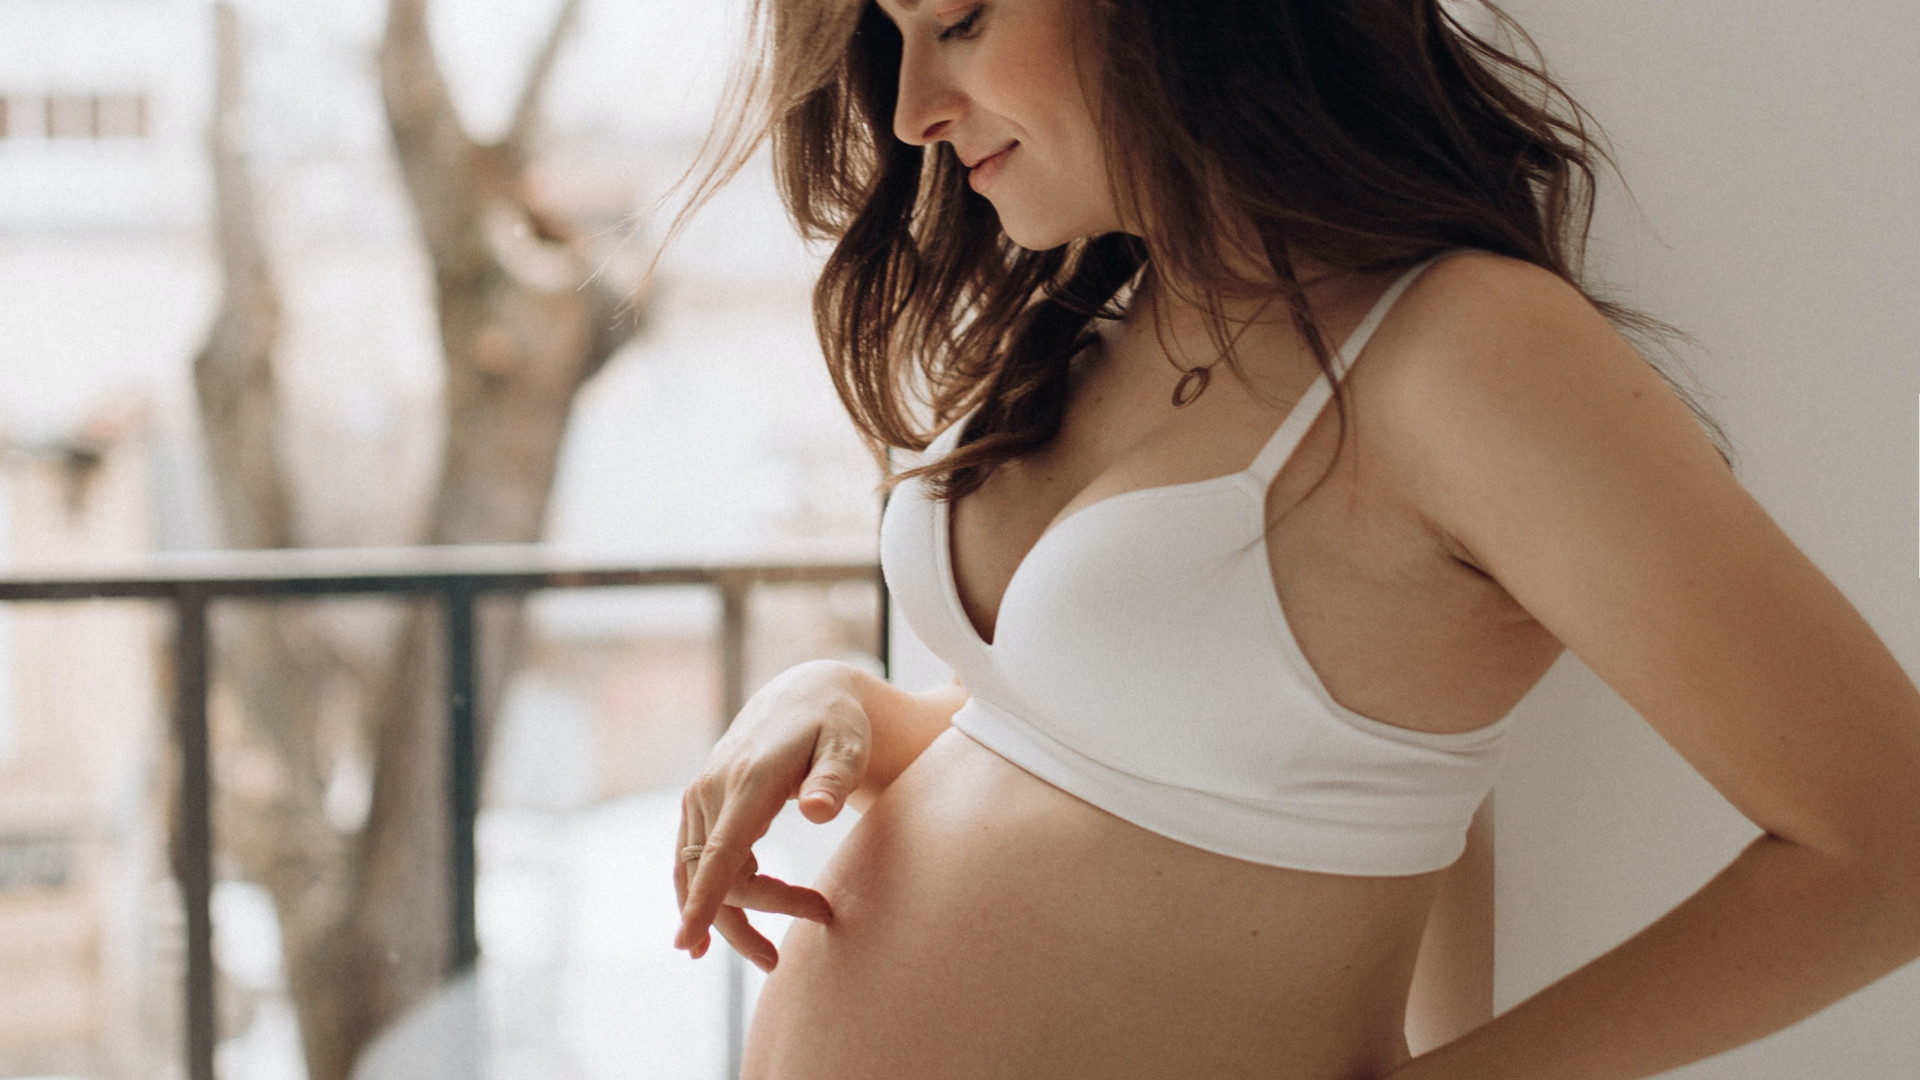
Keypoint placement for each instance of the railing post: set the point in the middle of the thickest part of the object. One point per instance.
(190, 587)
(733, 695)
(194, 841)
(463, 775)
(733, 648)
(884, 649)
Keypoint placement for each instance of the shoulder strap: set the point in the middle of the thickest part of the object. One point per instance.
(1281, 444)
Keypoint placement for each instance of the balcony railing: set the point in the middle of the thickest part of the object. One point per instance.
(455, 577)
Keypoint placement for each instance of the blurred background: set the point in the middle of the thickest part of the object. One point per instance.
(227, 322)
(220, 328)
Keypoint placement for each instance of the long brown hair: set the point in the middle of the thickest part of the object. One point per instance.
(1363, 135)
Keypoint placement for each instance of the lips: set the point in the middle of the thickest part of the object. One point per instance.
(979, 161)
(981, 171)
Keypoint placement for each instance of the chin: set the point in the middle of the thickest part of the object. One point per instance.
(1038, 237)
(1040, 215)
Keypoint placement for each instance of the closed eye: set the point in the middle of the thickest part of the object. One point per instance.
(963, 29)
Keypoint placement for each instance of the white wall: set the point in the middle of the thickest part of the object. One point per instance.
(1771, 147)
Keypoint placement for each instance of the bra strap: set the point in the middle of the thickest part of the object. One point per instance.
(1286, 438)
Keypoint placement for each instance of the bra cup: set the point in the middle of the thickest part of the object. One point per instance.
(1114, 595)
(910, 561)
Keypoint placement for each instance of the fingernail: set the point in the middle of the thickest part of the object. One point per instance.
(763, 964)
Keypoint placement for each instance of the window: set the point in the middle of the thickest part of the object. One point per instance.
(74, 116)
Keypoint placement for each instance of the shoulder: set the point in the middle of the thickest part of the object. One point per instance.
(1542, 443)
(1493, 377)
(1475, 307)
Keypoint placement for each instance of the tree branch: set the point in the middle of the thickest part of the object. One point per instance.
(433, 149)
(526, 114)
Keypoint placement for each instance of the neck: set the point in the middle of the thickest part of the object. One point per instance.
(1194, 330)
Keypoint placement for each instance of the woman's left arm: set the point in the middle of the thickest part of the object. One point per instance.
(1557, 459)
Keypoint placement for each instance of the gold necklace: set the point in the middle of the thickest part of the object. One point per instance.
(1193, 381)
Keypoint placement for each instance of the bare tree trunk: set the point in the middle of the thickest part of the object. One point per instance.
(269, 657)
(233, 372)
(524, 324)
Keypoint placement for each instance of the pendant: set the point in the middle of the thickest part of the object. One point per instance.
(1191, 385)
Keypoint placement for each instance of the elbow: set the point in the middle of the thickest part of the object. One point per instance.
(1886, 875)
(1905, 896)
(1895, 866)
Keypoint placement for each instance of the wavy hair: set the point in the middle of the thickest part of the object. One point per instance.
(1363, 135)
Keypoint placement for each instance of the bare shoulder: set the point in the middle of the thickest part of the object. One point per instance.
(1476, 320)
(1544, 444)
(1477, 306)
(1490, 368)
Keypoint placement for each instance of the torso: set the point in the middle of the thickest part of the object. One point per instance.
(988, 924)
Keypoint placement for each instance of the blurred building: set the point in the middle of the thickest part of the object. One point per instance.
(89, 935)
(101, 192)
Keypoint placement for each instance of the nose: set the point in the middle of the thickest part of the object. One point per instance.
(928, 102)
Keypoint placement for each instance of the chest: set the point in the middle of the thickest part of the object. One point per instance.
(1160, 524)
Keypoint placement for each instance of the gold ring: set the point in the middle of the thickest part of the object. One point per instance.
(691, 853)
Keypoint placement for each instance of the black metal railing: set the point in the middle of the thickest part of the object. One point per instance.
(457, 577)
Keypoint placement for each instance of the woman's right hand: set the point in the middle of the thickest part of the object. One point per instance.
(805, 734)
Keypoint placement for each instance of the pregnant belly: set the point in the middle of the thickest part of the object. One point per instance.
(987, 924)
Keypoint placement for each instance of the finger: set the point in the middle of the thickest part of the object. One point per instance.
(697, 941)
(764, 893)
(679, 864)
(694, 824)
(747, 872)
(729, 846)
(748, 942)
(839, 761)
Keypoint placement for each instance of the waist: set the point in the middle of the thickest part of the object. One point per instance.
(987, 923)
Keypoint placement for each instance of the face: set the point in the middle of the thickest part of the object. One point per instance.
(1000, 80)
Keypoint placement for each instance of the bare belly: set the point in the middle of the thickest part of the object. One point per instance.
(987, 924)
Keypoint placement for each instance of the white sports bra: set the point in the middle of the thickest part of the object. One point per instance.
(1141, 661)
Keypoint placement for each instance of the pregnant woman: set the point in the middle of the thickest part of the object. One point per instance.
(1273, 451)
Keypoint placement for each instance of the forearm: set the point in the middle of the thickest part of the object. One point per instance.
(903, 725)
(1779, 934)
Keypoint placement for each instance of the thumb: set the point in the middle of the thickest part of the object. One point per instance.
(838, 765)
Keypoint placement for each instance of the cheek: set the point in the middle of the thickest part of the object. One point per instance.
(1033, 75)
(1049, 111)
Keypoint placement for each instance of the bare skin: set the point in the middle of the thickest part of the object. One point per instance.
(1019, 931)
(1515, 481)
(980, 921)
(988, 925)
